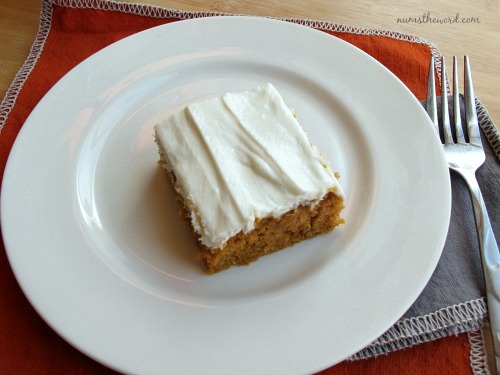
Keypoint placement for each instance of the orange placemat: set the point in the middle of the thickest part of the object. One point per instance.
(73, 30)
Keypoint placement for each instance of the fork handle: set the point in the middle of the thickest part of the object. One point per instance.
(490, 257)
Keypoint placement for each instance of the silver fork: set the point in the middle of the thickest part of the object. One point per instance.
(465, 157)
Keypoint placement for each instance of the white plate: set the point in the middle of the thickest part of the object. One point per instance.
(91, 227)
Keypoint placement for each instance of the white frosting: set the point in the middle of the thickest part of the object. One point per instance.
(240, 157)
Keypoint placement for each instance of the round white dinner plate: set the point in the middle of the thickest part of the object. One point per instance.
(91, 228)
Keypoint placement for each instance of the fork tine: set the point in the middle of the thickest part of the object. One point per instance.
(457, 118)
(430, 104)
(445, 116)
(470, 107)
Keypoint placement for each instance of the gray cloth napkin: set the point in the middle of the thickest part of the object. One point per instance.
(453, 301)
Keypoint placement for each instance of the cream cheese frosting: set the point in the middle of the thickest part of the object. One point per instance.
(241, 157)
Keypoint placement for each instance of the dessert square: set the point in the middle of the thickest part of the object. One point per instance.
(248, 179)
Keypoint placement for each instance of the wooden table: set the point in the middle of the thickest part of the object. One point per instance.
(477, 32)
(456, 27)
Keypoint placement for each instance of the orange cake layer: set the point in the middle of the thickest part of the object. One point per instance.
(273, 234)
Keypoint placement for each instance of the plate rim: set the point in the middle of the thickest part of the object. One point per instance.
(24, 129)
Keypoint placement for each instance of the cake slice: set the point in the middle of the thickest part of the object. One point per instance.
(249, 180)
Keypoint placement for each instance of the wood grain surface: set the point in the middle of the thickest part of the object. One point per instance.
(456, 27)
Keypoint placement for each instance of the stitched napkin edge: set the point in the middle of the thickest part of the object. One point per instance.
(465, 317)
